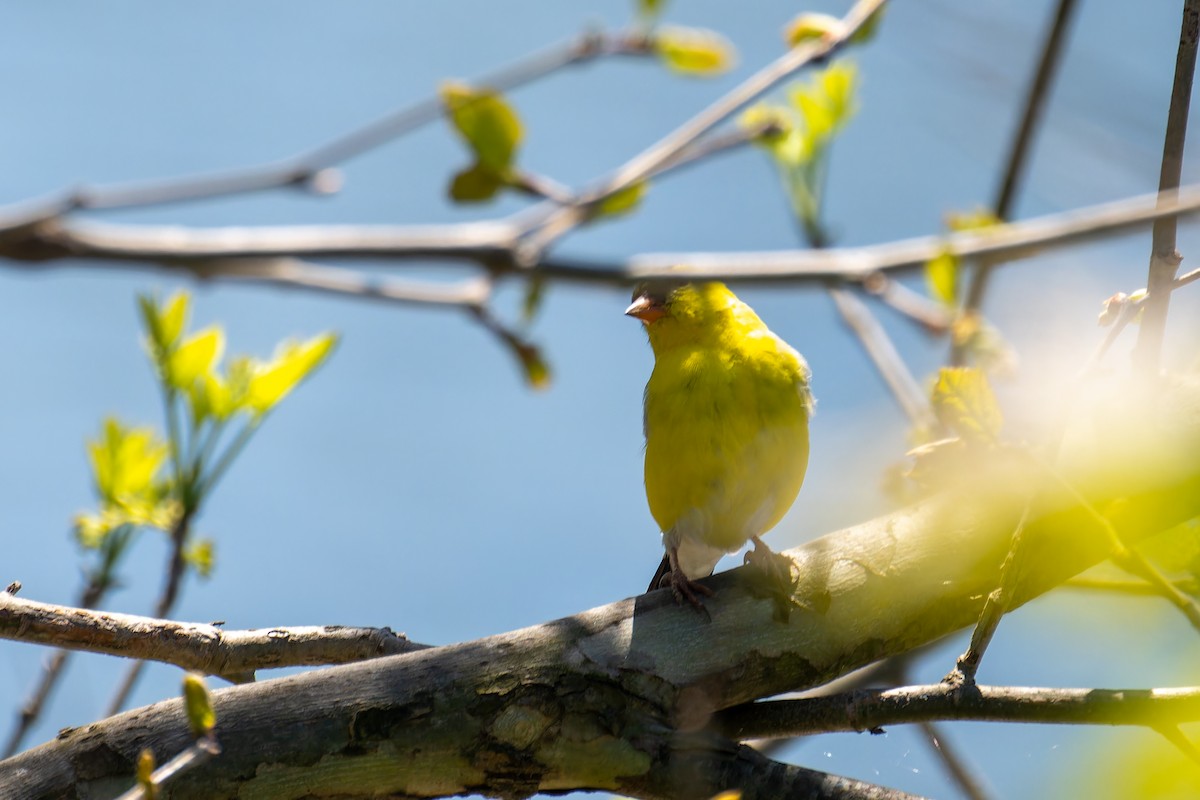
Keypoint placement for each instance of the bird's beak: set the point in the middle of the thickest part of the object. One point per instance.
(645, 308)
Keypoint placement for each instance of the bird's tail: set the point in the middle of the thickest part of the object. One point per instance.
(660, 573)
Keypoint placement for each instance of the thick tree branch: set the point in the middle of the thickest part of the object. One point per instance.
(233, 655)
(871, 709)
(600, 700)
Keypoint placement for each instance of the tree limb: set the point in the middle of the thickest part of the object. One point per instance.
(600, 700)
(233, 655)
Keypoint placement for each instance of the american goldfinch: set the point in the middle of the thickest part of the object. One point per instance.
(726, 425)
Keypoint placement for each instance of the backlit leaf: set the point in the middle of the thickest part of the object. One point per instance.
(963, 401)
(811, 26)
(488, 124)
(694, 51)
(537, 371)
(164, 324)
(200, 555)
(194, 357)
(292, 363)
(145, 774)
(622, 202)
(776, 119)
(866, 32)
(200, 715)
(125, 462)
(941, 276)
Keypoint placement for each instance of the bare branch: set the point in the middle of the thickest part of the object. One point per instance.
(1129, 588)
(560, 221)
(233, 655)
(1187, 277)
(291, 273)
(200, 751)
(883, 354)
(871, 709)
(1164, 259)
(956, 766)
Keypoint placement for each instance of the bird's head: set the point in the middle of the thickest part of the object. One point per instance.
(688, 313)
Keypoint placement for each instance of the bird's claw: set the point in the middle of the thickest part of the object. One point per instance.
(776, 571)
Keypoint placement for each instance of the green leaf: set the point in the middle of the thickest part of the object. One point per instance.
(838, 86)
(810, 26)
(164, 324)
(695, 52)
(866, 32)
(486, 122)
(174, 316)
(963, 401)
(200, 715)
(941, 276)
(125, 462)
(200, 555)
(293, 362)
(145, 774)
(622, 202)
(537, 371)
(777, 119)
(815, 112)
(827, 101)
(475, 184)
(194, 357)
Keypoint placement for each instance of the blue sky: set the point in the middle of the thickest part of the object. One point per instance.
(416, 482)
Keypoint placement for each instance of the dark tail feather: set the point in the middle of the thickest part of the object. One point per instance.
(659, 574)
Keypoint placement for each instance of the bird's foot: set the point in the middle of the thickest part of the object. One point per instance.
(777, 575)
(686, 589)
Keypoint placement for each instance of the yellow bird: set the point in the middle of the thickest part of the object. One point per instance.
(726, 425)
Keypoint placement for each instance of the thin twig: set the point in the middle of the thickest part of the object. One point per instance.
(1130, 588)
(930, 314)
(994, 608)
(560, 221)
(176, 569)
(1175, 736)
(314, 170)
(871, 709)
(1124, 556)
(1014, 169)
(954, 762)
(1164, 259)
(291, 273)
(884, 356)
(233, 655)
(199, 752)
(1187, 277)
